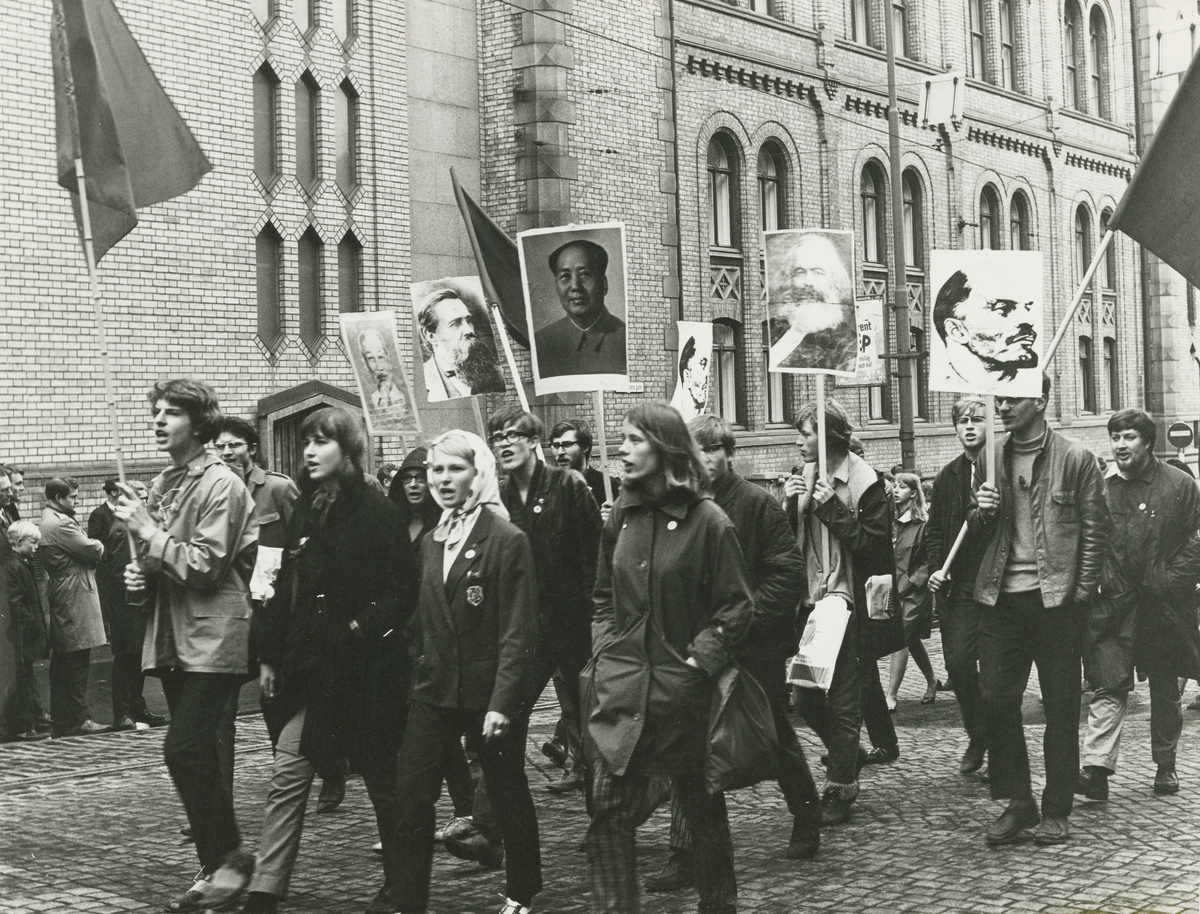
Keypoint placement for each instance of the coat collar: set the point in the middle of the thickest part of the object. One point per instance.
(676, 503)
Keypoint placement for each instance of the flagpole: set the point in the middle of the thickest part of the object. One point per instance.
(1083, 285)
(822, 466)
(989, 437)
(493, 300)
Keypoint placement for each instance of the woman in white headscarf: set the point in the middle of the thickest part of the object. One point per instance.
(475, 639)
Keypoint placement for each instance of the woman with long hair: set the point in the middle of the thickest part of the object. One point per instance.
(334, 666)
(476, 634)
(912, 578)
(672, 602)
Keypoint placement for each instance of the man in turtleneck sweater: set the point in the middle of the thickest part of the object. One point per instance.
(1045, 523)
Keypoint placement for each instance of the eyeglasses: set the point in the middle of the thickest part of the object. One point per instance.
(508, 437)
(563, 445)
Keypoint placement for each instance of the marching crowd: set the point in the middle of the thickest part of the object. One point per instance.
(402, 627)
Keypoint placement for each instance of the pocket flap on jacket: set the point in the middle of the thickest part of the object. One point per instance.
(1064, 497)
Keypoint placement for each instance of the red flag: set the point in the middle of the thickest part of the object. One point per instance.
(112, 112)
(1161, 207)
(500, 262)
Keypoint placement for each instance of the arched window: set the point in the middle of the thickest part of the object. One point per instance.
(872, 188)
(266, 125)
(724, 370)
(1073, 94)
(978, 57)
(722, 192)
(989, 219)
(309, 254)
(308, 119)
(1083, 242)
(268, 250)
(1108, 269)
(914, 242)
(1086, 377)
(1008, 59)
(772, 170)
(860, 22)
(1098, 62)
(1019, 222)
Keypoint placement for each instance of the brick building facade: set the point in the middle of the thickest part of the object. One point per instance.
(331, 125)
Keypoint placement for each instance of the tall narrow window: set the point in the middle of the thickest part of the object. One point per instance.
(978, 61)
(1098, 62)
(309, 254)
(345, 116)
(724, 370)
(914, 253)
(308, 113)
(770, 188)
(1083, 242)
(872, 214)
(900, 27)
(266, 125)
(762, 6)
(1085, 374)
(349, 274)
(860, 22)
(264, 10)
(773, 384)
(304, 15)
(1108, 269)
(920, 375)
(268, 247)
(1110, 373)
(1019, 223)
(1008, 61)
(989, 219)
(1072, 94)
(343, 19)
(722, 194)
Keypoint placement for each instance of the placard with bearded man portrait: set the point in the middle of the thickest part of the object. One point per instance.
(458, 346)
(373, 349)
(987, 319)
(810, 301)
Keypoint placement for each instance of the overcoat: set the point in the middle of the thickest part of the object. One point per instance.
(70, 559)
(476, 633)
(355, 566)
(199, 563)
(670, 584)
(912, 577)
(1145, 614)
(26, 621)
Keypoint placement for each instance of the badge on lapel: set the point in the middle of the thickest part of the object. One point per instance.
(474, 594)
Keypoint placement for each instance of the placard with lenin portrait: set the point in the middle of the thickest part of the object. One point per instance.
(810, 302)
(987, 316)
(373, 348)
(576, 304)
(458, 344)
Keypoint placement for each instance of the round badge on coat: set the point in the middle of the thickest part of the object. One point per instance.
(672, 525)
(470, 553)
(537, 509)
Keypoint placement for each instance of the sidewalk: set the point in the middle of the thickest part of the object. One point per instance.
(92, 824)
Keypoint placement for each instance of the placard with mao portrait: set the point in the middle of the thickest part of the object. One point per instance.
(576, 302)
(457, 340)
(988, 322)
(693, 368)
(810, 302)
(374, 352)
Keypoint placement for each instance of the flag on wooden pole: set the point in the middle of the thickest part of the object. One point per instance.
(1161, 207)
(498, 263)
(113, 114)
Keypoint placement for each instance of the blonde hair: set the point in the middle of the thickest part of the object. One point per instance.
(913, 482)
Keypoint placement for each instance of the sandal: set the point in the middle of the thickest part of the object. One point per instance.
(931, 692)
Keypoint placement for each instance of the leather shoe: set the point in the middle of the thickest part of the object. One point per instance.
(679, 873)
(570, 780)
(556, 752)
(87, 728)
(479, 848)
(877, 756)
(31, 736)
(1166, 781)
(146, 716)
(456, 827)
(972, 759)
(835, 808)
(805, 841)
(45, 723)
(125, 723)
(1013, 824)
(333, 791)
(1092, 782)
(1052, 830)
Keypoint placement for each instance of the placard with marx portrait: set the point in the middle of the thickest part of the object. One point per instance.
(987, 318)
(374, 353)
(810, 302)
(575, 301)
(457, 342)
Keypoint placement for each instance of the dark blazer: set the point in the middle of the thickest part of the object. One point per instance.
(948, 504)
(477, 632)
(352, 685)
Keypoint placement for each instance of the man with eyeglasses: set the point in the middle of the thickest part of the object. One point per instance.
(571, 449)
(1045, 524)
(555, 509)
(954, 591)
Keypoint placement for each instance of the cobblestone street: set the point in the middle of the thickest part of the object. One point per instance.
(92, 824)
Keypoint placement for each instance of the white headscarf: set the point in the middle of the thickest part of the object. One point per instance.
(485, 488)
